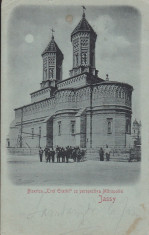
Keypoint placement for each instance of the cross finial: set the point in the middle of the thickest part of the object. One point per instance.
(52, 30)
(84, 8)
(107, 77)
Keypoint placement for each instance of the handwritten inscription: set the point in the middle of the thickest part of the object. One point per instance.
(117, 206)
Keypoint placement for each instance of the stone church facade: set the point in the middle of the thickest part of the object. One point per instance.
(83, 110)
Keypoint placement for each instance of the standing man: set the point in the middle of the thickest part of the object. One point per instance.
(107, 151)
(58, 154)
(56, 151)
(40, 154)
(46, 153)
(101, 154)
(53, 154)
(49, 155)
(63, 155)
(74, 154)
(67, 153)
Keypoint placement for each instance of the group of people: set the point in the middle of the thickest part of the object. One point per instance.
(61, 154)
(105, 152)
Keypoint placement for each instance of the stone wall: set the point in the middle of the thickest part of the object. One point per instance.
(103, 101)
(36, 110)
(31, 132)
(65, 137)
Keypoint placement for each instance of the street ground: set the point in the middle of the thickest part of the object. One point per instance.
(28, 170)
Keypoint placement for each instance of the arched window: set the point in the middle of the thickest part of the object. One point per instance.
(59, 128)
(119, 94)
(40, 131)
(109, 125)
(8, 142)
(84, 59)
(45, 74)
(76, 60)
(72, 127)
(51, 73)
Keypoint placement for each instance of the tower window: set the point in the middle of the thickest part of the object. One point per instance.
(76, 59)
(51, 73)
(59, 128)
(84, 58)
(72, 127)
(109, 126)
(45, 74)
(45, 69)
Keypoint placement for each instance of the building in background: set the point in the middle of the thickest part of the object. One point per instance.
(136, 132)
(83, 110)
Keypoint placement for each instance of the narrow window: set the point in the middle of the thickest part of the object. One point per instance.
(76, 59)
(84, 58)
(45, 74)
(51, 73)
(109, 126)
(40, 131)
(72, 127)
(59, 128)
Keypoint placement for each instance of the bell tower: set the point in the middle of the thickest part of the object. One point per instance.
(83, 40)
(52, 64)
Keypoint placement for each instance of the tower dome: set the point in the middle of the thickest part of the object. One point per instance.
(52, 63)
(83, 40)
(52, 47)
(83, 26)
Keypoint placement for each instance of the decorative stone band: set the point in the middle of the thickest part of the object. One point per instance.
(80, 34)
(35, 107)
(104, 93)
(73, 82)
(113, 92)
(40, 92)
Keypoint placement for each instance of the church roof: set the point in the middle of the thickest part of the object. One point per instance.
(52, 47)
(83, 26)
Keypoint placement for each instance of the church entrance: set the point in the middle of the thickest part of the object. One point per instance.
(50, 132)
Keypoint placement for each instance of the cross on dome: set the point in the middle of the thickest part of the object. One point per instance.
(84, 8)
(52, 30)
(83, 26)
(52, 46)
(107, 77)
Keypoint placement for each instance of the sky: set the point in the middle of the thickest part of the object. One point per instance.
(118, 46)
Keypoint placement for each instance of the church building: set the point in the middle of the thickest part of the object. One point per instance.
(83, 110)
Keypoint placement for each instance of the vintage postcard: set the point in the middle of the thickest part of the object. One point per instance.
(75, 129)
